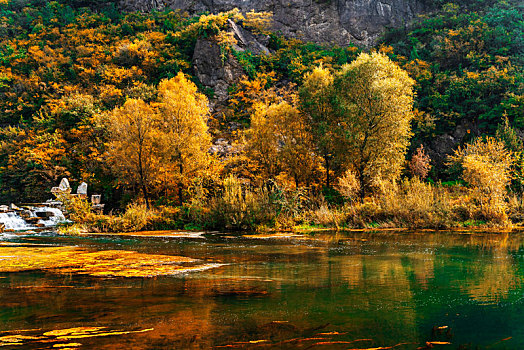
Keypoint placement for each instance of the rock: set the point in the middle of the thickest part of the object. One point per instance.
(212, 71)
(233, 126)
(82, 189)
(248, 41)
(44, 214)
(64, 185)
(360, 22)
(217, 70)
(221, 147)
(441, 146)
(14, 207)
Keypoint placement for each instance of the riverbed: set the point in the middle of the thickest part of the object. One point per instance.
(328, 290)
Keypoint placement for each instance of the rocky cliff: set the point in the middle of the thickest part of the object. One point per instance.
(330, 21)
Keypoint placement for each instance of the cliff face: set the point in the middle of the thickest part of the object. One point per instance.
(331, 21)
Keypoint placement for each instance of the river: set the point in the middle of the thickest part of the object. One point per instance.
(325, 290)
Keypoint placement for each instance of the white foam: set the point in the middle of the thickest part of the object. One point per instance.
(13, 221)
(57, 218)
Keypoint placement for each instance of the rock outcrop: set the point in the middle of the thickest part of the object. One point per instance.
(330, 21)
(217, 70)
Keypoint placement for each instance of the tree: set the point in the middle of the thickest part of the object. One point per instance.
(486, 168)
(137, 144)
(316, 101)
(279, 142)
(184, 113)
(373, 106)
(512, 142)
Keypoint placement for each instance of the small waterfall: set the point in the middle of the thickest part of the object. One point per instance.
(13, 221)
(32, 218)
(57, 217)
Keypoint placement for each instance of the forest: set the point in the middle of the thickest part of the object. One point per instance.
(424, 130)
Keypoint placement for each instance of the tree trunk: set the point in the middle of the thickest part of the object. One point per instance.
(180, 199)
(328, 180)
(142, 180)
(362, 192)
(146, 196)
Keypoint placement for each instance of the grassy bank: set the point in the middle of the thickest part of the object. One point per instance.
(411, 204)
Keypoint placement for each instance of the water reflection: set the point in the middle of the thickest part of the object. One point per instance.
(286, 292)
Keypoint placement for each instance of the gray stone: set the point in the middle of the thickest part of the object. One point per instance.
(14, 207)
(360, 22)
(64, 185)
(82, 189)
(212, 71)
(247, 40)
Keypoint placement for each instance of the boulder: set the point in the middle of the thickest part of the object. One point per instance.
(64, 185)
(82, 189)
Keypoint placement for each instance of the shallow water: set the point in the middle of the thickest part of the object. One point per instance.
(326, 291)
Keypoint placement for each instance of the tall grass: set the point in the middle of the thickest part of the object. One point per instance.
(411, 203)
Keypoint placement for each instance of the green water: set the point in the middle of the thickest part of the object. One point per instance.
(389, 288)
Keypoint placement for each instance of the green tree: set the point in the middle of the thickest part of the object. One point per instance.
(512, 142)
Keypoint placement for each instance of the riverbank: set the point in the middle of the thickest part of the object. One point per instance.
(411, 205)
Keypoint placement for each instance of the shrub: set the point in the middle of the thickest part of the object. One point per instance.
(486, 166)
(76, 209)
(137, 217)
(419, 164)
(240, 207)
(348, 185)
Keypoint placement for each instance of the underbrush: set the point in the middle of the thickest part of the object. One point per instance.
(409, 204)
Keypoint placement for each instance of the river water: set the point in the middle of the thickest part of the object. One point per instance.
(325, 290)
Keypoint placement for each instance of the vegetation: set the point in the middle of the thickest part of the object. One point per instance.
(325, 132)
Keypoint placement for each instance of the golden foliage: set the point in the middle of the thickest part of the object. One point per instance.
(184, 113)
(163, 143)
(376, 97)
(348, 185)
(136, 146)
(279, 141)
(259, 22)
(486, 167)
(58, 336)
(108, 263)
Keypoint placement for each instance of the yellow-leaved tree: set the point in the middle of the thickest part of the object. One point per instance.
(184, 113)
(137, 145)
(162, 144)
(486, 167)
(316, 102)
(373, 107)
(279, 142)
